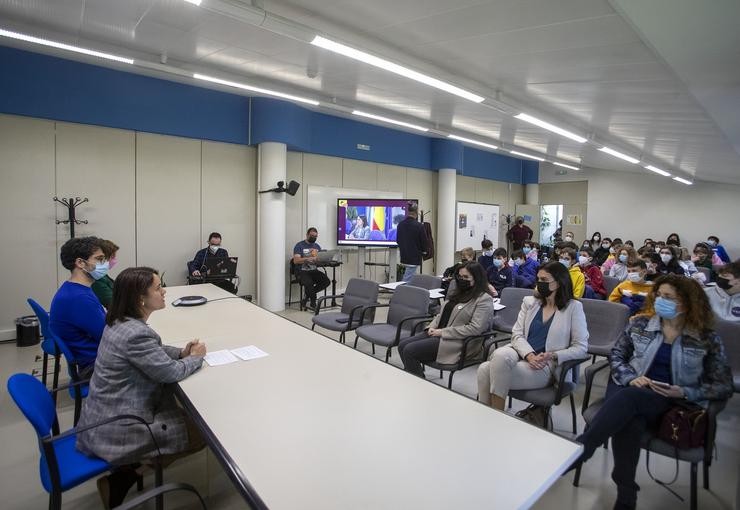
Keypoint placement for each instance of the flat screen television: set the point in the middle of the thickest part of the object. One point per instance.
(369, 221)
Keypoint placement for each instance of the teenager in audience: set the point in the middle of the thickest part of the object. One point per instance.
(586, 244)
(525, 270)
(500, 274)
(718, 249)
(703, 258)
(569, 237)
(652, 260)
(132, 373)
(634, 291)
(672, 355)
(725, 296)
(625, 255)
(629, 243)
(617, 240)
(103, 287)
(531, 250)
(550, 330)
(673, 240)
(595, 241)
(467, 311)
(611, 259)
(669, 261)
(594, 279)
(486, 258)
(684, 260)
(76, 315)
(467, 254)
(569, 260)
(602, 252)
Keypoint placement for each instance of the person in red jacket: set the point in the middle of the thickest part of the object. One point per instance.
(594, 277)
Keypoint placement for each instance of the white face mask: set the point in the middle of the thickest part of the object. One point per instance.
(569, 239)
(214, 248)
(583, 261)
(488, 253)
(634, 277)
(666, 258)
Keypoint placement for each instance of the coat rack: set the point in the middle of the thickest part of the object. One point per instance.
(71, 204)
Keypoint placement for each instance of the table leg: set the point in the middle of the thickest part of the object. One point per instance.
(333, 285)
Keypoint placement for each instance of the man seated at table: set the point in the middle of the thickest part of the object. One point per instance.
(76, 315)
(305, 257)
(197, 266)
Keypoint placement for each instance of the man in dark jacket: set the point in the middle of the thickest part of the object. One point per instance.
(519, 233)
(411, 241)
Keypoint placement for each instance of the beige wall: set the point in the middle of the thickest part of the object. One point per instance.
(574, 197)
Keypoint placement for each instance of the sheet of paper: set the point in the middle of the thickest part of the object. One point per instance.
(498, 306)
(391, 285)
(249, 352)
(216, 358)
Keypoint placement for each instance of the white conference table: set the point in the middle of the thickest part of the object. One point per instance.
(317, 424)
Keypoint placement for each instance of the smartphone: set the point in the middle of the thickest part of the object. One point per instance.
(660, 384)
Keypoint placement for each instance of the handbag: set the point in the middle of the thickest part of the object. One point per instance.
(684, 426)
(536, 415)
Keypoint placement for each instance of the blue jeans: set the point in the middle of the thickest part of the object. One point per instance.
(409, 272)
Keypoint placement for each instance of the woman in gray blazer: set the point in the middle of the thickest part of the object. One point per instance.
(132, 371)
(468, 311)
(551, 329)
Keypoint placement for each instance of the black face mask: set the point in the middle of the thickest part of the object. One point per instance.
(312, 239)
(543, 289)
(520, 222)
(464, 285)
(723, 283)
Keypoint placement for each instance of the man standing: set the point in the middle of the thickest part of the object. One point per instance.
(76, 315)
(197, 266)
(305, 256)
(519, 233)
(412, 241)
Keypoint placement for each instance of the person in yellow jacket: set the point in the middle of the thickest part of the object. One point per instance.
(569, 259)
(634, 291)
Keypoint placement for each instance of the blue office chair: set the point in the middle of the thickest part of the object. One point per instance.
(79, 387)
(61, 466)
(48, 345)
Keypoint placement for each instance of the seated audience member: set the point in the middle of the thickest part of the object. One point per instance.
(103, 287)
(525, 270)
(595, 241)
(617, 240)
(725, 296)
(76, 315)
(629, 243)
(611, 259)
(672, 355)
(652, 260)
(569, 260)
(132, 375)
(669, 261)
(659, 245)
(198, 268)
(634, 291)
(719, 250)
(361, 230)
(602, 252)
(550, 330)
(531, 250)
(305, 257)
(586, 244)
(486, 258)
(703, 258)
(624, 256)
(673, 240)
(594, 279)
(500, 274)
(467, 254)
(569, 237)
(467, 311)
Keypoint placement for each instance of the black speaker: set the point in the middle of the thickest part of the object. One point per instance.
(293, 188)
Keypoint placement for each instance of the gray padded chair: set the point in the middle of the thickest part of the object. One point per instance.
(649, 442)
(606, 322)
(358, 295)
(610, 283)
(706, 272)
(408, 306)
(729, 332)
(429, 282)
(512, 298)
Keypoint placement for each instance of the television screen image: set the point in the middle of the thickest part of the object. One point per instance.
(369, 221)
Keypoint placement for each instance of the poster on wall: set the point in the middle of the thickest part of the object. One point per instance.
(574, 219)
(476, 222)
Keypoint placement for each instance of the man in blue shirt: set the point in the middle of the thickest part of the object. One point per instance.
(76, 316)
(197, 266)
(305, 256)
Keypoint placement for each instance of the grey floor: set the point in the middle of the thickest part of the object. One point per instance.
(20, 486)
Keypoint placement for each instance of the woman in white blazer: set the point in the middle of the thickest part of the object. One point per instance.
(467, 311)
(551, 329)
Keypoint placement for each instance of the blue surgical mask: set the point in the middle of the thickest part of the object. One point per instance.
(623, 258)
(565, 262)
(526, 250)
(498, 262)
(666, 308)
(101, 269)
(519, 262)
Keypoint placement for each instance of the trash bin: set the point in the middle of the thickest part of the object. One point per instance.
(27, 331)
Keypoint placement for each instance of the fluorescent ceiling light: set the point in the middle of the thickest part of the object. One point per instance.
(194, 2)
(683, 181)
(62, 46)
(255, 89)
(550, 127)
(565, 166)
(619, 155)
(657, 170)
(474, 142)
(389, 121)
(527, 156)
(350, 52)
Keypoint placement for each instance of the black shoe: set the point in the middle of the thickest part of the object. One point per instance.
(114, 487)
(313, 304)
(303, 303)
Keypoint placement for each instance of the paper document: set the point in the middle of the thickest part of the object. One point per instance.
(217, 358)
(249, 352)
(391, 285)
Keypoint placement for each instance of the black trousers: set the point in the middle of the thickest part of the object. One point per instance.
(626, 414)
(314, 281)
(417, 350)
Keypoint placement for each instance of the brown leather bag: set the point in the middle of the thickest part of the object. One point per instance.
(684, 426)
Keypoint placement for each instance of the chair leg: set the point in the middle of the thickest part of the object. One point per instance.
(387, 354)
(573, 413)
(449, 381)
(577, 477)
(693, 486)
(55, 379)
(356, 338)
(55, 500)
(509, 402)
(440, 374)
(44, 368)
(373, 345)
(78, 407)
(705, 473)
(341, 337)
(158, 480)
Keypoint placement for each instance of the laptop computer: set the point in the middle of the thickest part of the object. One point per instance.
(220, 267)
(327, 255)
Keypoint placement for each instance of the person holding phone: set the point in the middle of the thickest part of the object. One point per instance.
(671, 355)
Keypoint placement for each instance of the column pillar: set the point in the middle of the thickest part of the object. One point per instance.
(444, 252)
(271, 222)
(532, 194)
